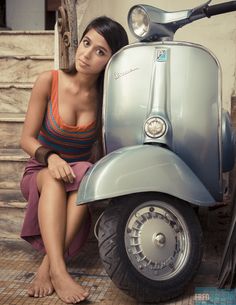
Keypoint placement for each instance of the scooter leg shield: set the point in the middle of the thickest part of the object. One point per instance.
(142, 168)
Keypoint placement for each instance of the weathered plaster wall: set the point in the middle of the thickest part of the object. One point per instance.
(217, 33)
(26, 15)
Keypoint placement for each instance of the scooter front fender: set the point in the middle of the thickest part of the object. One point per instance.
(142, 168)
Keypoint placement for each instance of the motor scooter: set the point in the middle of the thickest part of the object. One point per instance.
(168, 143)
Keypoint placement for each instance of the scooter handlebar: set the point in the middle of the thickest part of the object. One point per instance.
(221, 8)
(209, 11)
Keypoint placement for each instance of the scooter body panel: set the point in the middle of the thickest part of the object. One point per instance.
(142, 168)
(179, 82)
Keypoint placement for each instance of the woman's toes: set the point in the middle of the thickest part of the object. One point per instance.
(45, 292)
(31, 292)
(79, 299)
(49, 291)
(41, 292)
(69, 300)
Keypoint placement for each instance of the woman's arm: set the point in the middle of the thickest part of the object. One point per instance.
(58, 168)
(35, 113)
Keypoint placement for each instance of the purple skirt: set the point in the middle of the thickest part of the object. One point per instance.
(30, 230)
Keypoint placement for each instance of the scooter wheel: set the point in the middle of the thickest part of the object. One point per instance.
(150, 245)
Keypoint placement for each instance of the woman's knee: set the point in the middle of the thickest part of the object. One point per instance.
(45, 179)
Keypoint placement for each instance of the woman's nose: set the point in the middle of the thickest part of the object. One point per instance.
(87, 53)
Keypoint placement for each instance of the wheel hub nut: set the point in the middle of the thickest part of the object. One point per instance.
(159, 239)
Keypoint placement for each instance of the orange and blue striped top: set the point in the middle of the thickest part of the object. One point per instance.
(73, 143)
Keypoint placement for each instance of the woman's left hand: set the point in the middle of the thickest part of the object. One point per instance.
(60, 169)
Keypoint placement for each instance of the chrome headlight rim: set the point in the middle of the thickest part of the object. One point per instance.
(140, 11)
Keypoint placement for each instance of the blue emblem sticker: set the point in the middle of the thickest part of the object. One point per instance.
(162, 55)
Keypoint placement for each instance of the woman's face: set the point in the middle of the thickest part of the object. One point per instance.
(92, 54)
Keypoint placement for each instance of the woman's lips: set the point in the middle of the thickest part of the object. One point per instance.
(83, 63)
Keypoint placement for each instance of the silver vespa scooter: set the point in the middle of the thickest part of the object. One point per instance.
(168, 142)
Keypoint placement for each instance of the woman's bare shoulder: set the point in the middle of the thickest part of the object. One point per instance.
(42, 86)
(44, 82)
(45, 77)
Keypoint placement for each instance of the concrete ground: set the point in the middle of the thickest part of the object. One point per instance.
(19, 262)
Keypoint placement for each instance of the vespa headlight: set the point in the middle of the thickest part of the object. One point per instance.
(155, 127)
(148, 23)
(138, 21)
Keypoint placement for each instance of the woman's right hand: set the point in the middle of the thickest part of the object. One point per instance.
(60, 169)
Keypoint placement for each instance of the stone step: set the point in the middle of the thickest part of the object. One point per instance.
(23, 69)
(27, 43)
(14, 97)
(12, 198)
(12, 163)
(10, 129)
(11, 220)
(12, 208)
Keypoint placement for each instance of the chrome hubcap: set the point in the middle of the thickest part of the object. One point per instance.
(157, 240)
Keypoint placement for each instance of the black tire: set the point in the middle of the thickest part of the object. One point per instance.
(179, 237)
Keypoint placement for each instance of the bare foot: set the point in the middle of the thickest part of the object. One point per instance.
(41, 285)
(67, 289)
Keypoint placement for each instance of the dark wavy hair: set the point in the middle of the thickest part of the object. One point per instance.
(116, 37)
(113, 32)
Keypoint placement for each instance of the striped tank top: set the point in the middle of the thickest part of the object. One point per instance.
(73, 143)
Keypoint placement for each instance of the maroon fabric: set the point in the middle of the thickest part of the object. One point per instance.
(30, 230)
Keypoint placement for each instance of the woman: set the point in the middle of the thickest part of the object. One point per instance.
(61, 126)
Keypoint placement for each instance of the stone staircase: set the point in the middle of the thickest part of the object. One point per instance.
(23, 55)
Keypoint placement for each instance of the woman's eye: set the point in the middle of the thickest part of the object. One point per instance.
(86, 42)
(100, 52)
